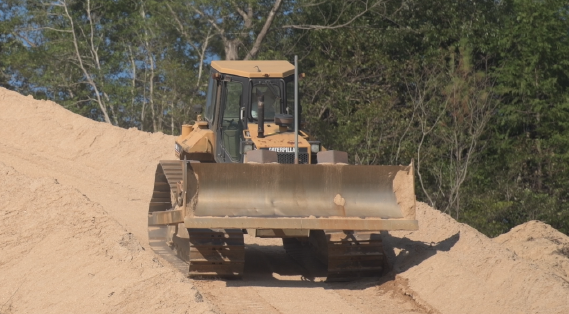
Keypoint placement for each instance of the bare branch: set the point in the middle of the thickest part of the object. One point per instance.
(202, 56)
(93, 50)
(24, 38)
(244, 15)
(253, 52)
(80, 60)
(211, 21)
(181, 27)
(155, 125)
(51, 29)
(334, 25)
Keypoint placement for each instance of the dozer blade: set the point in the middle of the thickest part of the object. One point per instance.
(285, 196)
(329, 200)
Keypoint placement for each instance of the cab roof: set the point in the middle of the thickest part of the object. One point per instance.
(254, 68)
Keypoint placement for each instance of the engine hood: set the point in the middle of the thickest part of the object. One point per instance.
(275, 139)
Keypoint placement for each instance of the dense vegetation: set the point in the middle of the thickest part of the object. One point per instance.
(475, 92)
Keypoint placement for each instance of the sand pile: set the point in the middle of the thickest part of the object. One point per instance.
(540, 244)
(62, 253)
(452, 268)
(73, 201)
(111, 164)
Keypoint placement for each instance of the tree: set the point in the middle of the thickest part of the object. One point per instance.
(453, 104)
(404, 81)
(114, 61)
(528, 153)
(237, 24)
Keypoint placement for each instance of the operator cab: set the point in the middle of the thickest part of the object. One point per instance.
(232, 106)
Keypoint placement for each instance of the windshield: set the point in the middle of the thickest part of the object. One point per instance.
(272, 94)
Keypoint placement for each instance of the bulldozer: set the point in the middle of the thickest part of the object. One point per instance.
(246, 167)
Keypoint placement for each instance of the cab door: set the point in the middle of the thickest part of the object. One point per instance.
(230, 127)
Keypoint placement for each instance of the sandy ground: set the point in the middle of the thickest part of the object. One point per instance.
(73, 203)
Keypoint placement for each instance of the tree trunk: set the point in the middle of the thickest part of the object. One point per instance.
(231, 49)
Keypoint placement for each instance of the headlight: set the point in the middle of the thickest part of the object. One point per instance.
(314, 146)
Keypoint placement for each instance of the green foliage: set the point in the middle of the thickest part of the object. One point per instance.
(115, 61)
(474, 92)
(530, 139)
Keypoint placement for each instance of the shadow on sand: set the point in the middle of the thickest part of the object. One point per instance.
(411, 253)
(270, 266)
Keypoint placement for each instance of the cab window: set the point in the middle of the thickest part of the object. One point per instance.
(231, 126)
(211, 97)
(272, 95)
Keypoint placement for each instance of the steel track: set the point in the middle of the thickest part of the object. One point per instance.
(197, 252)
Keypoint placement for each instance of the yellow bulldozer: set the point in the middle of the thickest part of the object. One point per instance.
(245, 167)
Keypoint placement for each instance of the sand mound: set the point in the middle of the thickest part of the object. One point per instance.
(110, 164)
(62, 253)
(73, 201)
(453, 268)
(540, 244)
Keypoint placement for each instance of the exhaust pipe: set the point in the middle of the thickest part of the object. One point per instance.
(296, 116)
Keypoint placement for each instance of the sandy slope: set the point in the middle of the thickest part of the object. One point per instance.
(453, 268)
(539, 243)
(62, 253)
(73, 200)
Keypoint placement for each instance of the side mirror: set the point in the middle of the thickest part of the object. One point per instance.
(197, 109)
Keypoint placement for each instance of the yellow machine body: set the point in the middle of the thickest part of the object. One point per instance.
(216, 189)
